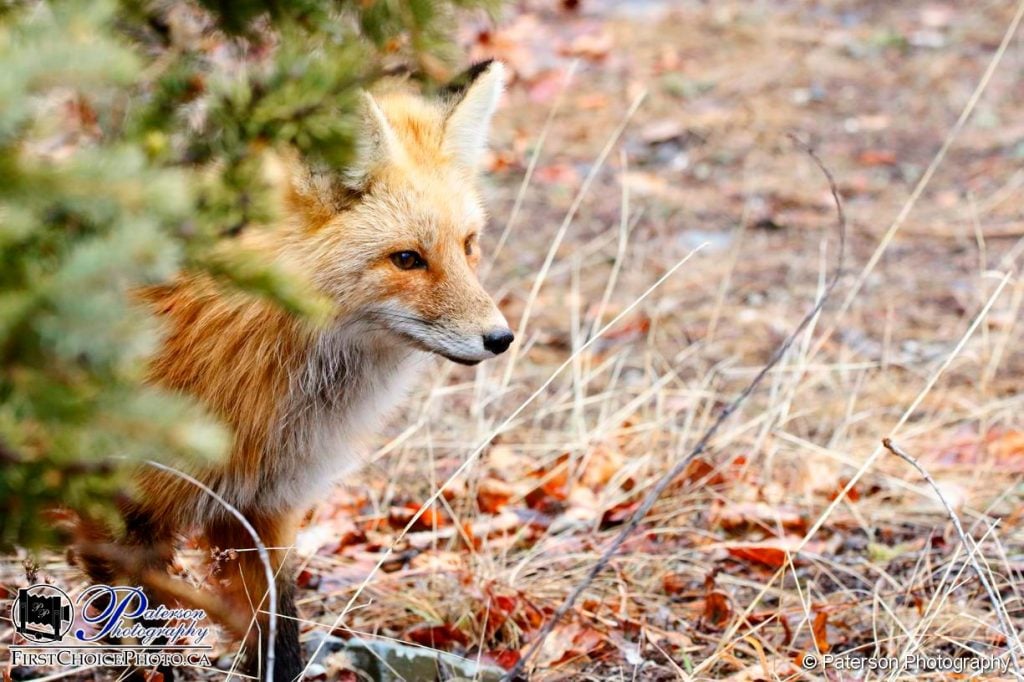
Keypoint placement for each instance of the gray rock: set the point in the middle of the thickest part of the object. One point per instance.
(391, 661)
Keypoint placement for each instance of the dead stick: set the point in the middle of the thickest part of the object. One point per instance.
(680, 466)
(970, 547)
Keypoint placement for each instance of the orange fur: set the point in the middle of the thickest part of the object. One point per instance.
(299, 399)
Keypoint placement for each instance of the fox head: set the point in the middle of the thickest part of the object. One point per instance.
(398, 247)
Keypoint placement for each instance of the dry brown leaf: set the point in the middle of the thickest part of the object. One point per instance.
(717, 611)
(431, 518)
(493, 495)
(820, 630)
(593, 46)
(770, 553)
(673, 583)
(504, 658)
(1006, 445)
(877, 157)
(436, 636)
(737, 517)
(569, 641)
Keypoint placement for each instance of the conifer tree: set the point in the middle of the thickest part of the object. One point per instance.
(133, 135)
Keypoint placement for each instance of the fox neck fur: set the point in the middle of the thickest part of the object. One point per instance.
(299, 400)
(396, 252)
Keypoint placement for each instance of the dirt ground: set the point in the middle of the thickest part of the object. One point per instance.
(796, 534)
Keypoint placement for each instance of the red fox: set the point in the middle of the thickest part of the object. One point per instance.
(395, 245)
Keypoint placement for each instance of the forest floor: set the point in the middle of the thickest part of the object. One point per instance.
(796, 533)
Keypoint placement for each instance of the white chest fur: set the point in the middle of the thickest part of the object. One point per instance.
(341, 396)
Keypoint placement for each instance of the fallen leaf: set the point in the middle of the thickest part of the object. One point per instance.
(742, 516)
(701, 472)
(570, 641)
(593, 46)
(602, 463)
(717, 611)
(763, 617)
(399, 517)
(876, 157)
(765, 554)
(618, 514)
(820, 630)
(852, 494)
(505, 658)
(630, 331)
(492, 495)
(307, 579)
(673, 583)
(1006, 445)
(557, 174)
(436, 636)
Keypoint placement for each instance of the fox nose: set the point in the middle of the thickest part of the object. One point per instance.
(498, 340)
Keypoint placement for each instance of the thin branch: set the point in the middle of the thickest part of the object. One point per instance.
(971, 548)
(478, 450)
(680, 466)
(268, 671)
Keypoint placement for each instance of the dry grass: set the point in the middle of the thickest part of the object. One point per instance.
(795, 522)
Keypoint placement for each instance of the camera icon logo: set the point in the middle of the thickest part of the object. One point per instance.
(42, 613)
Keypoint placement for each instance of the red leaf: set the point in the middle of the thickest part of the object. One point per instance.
(820, 630)
(399, 517)
(307, 579)
(773, 557)
(699, 471)
(717, 611)
(436, 636)
(852, 495)
(877, 157)
(506, 658)
(673, 583)
(492, 495)
(618, 514)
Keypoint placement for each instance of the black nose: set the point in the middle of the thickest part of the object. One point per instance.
(498, 341)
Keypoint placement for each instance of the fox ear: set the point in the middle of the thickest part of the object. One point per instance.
(465, 130)
(376, 144)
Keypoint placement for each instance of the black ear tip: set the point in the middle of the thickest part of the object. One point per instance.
(478, 68)
(460, 83)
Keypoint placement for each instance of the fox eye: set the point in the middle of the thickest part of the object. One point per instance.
(469, 244)
(408, 260)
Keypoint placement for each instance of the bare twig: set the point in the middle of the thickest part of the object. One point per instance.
(971, 550)
(680, 466)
